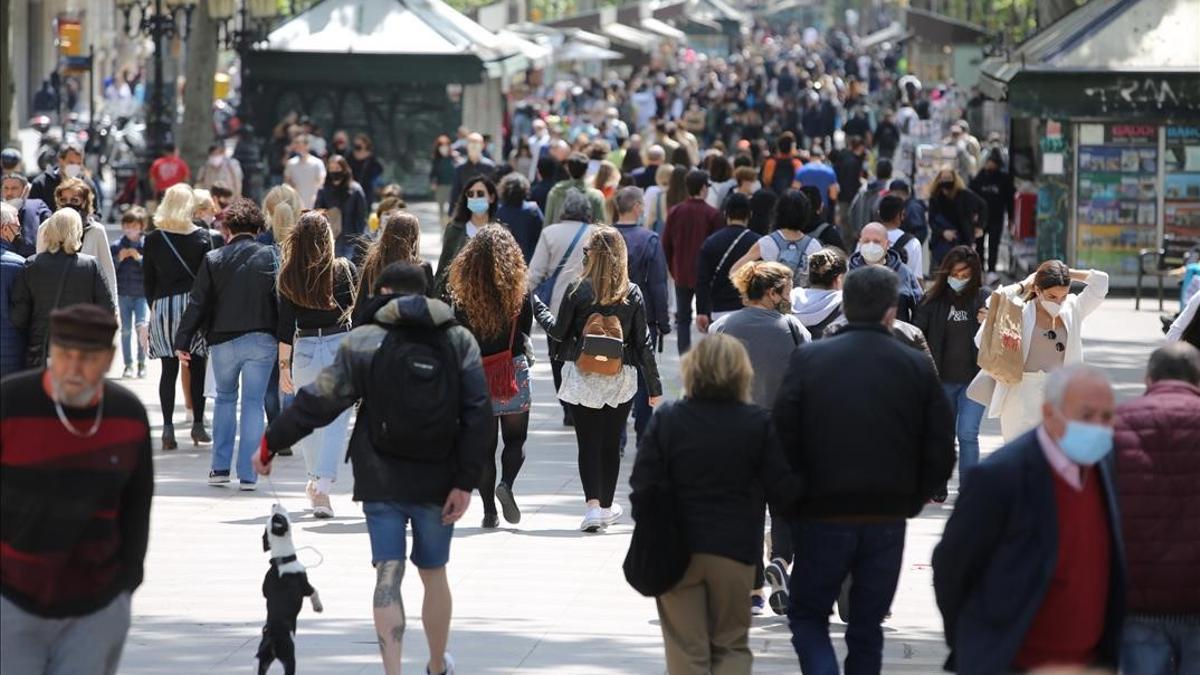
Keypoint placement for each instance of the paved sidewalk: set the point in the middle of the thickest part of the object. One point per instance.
(540, 597)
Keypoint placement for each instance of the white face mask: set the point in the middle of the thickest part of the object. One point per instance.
(18, 203)
(1052, 308)
(215, 160)
(872, 252)
(72, 170)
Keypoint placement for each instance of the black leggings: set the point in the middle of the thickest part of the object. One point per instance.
(514, 429)
(166, 387)
(599, 435)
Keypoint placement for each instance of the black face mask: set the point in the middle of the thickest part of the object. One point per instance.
(81, 210)
(946, 186)
(337, 178)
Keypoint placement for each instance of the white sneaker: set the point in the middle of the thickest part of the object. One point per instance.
(612, 514)
(593, 520)
(449, 660)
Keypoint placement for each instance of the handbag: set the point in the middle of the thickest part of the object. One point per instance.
(1000, 352)
(499, 372)
(520, 403)
(545, 289)
(658, 553)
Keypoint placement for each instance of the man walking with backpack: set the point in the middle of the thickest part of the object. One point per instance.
(418, 445)
(891, 215)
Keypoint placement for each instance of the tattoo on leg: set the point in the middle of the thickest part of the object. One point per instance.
(388, 577)
(381, 645)
(398, 633)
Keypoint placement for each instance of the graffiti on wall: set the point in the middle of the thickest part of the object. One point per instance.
(1125, 93)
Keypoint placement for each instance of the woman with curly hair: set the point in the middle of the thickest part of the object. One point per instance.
(488, 289)
(316, 291)
(399, 241)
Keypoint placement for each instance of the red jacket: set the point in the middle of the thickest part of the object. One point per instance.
(688, 224)
(1157, 448)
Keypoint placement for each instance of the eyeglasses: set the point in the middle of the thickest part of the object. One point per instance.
(1052, 335)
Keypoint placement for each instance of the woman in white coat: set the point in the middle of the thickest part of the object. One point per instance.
(1051, 337)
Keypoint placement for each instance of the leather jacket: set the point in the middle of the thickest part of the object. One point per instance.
(578, 303)
(234, 294)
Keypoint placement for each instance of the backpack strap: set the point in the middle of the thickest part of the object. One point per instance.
(170, 245)
(562, 263)
(721, 263)
(816, 234)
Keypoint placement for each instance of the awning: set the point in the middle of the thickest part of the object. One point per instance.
(892, 33)
(583, 51)
(663, 28)
(537, 55)
(630, 37)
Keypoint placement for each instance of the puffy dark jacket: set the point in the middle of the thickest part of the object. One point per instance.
(723, 457)
(578, 303)
(351, 201)
(1157, 447)
(234, 294)
(887, 468)
(910, 289)
(379, 477)
(35, 289)
(960, 215)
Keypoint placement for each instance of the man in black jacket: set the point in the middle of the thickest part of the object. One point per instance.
(864, 476)
(394, 489)
(233, 298)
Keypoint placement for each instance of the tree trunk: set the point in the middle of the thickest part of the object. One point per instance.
(8, 89)
(196, 132)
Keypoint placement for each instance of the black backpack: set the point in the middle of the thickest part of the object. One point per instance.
(900, 245)
(412, 395)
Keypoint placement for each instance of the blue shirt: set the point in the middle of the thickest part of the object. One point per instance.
(819, 175)
(12, 340)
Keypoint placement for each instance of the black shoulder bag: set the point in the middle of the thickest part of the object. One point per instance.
(658, 553)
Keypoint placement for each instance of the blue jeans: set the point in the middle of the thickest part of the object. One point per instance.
(133, 311)
(247, 359)
(1152, 646)
(825, 553)
(324, 446)
(967, 416)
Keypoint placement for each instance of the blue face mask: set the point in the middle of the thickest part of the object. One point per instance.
(956, 284)
(477, 205)
(1086, 444)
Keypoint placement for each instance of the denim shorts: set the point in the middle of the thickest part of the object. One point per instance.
(387, 523)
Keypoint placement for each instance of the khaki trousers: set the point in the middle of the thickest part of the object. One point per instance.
(706, 618)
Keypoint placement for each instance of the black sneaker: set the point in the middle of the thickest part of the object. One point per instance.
(508, 503)
(940, 496)
(491, 521)
(776, 574)
(218, 477)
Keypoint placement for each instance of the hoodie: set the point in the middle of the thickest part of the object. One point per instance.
(379, 477)
(816, 308)
(910, 290)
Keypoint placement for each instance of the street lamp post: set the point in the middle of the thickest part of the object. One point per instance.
(241, 26)
(159, 20)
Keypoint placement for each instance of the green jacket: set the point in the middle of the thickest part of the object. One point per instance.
(558, 195)
(454, 238)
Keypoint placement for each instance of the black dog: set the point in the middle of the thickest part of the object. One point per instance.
(285, 587)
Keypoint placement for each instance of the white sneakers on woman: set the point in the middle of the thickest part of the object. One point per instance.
(596, 519)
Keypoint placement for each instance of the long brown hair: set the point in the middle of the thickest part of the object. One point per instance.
(487, 281)
(954, 257)
(604, 264)
(306, 275)
(399, 241)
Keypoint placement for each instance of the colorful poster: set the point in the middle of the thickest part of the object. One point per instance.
(1181, 184)
(1117, 196)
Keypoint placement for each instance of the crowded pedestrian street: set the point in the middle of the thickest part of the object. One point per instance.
(538, 597)
(681, 337)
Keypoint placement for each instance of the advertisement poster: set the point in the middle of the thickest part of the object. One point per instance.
(1181, 184)
(1117, 189)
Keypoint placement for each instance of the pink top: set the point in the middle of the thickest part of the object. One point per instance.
(1066, 469)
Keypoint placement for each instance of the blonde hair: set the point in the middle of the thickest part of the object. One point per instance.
(662, 176)
(604, 265)
(202, 199)
(959, 185)
(717, 369)
(62, 231)
(754, 279)
(281, 207)
(174, 212)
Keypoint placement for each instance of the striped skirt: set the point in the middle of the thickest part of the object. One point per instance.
(165, 316)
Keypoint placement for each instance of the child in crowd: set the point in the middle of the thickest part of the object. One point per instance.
(127, 257)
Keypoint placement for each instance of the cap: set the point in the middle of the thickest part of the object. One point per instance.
(10, 157)
(899, 184)
(83, 326)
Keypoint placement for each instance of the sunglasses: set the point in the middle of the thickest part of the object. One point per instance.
(1052, 335)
